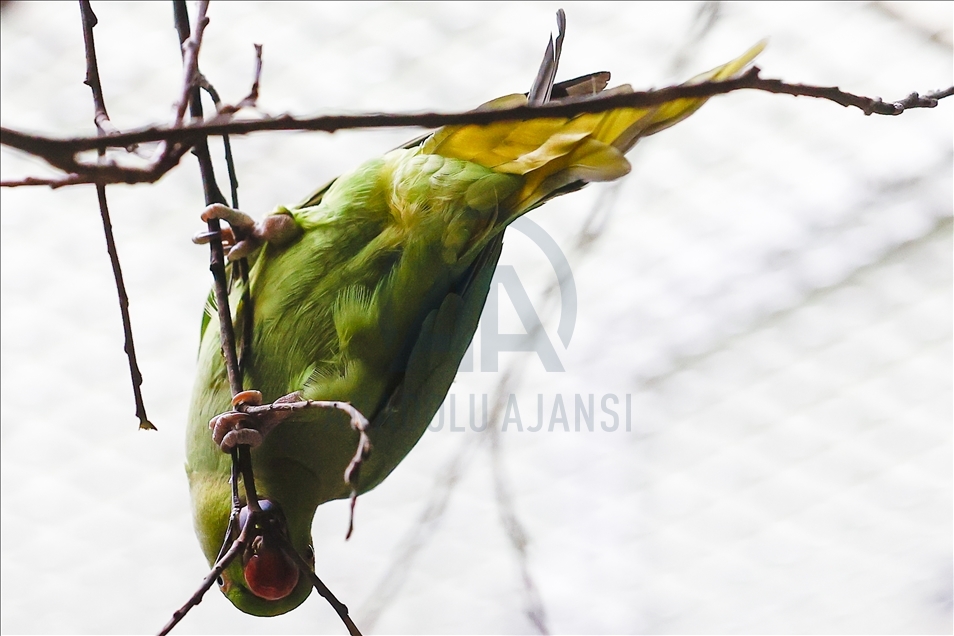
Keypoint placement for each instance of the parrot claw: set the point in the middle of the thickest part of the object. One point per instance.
(245, 235)
(239, 221)
(247, 424)
(229, 428)
(247, 436)
(250, 398)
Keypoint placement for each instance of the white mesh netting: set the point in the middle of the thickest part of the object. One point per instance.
(771, 286)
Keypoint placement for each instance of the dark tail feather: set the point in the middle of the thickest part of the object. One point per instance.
(543, 84)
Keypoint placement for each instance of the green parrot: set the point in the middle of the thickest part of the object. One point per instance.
(369, 292)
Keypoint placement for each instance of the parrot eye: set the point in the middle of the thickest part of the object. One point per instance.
(310, 555)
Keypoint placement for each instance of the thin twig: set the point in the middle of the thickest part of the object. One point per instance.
(248, 315)
(212, 194)
(340, 608)
(332, 123)
(104, 126)
(129, 346)
(192, 99)
(248, 310)
(53, 182)
(248, 478)
(237, 546)
(100, 116)
(205, 85)
(190, 60)
(250, 100)
(61, 153)
(534, 609)
(241, 455)
(236, 505)
(427, 524)
(105, 172)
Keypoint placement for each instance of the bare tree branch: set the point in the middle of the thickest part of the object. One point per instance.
(340, 608)
(62, 153)
(241, 455)
(237, 546)
(104, 126)
(241, 461)
(190, 60)
(250, 100)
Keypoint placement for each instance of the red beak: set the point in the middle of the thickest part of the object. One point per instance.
(270, 574)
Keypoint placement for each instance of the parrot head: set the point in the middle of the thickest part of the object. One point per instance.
(263, 580)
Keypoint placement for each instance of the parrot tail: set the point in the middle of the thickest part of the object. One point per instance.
(553, 153)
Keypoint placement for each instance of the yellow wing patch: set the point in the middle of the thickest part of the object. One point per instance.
(550, 153)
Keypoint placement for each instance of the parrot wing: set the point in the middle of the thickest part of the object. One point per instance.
(315, 197)
(445, 335)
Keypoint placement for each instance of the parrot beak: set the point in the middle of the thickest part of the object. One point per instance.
(269, 572)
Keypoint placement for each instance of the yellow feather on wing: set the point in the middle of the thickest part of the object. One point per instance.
(551, 153)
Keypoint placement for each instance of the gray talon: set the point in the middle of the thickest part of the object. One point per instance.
(243, 248)
(238, 220)
(247, 436)
(226, 423)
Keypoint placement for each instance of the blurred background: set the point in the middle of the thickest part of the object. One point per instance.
(771, 286)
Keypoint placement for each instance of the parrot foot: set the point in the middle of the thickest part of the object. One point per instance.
(244, 235)
(251, 421)
(232, 429)
(250, 428)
